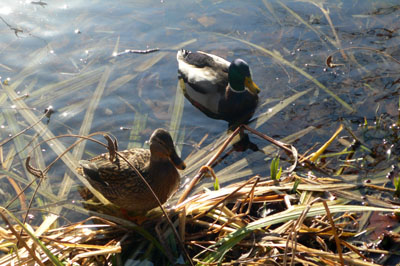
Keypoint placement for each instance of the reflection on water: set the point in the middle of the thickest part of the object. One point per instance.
(60, 54)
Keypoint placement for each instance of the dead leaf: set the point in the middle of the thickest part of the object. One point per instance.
(330, 64)
(206, 21)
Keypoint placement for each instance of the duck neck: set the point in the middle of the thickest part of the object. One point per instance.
(232, 93)
(232, 90)
(157, 163)
(236, 83)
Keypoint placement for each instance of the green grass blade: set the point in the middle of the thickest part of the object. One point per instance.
(37, 241)
(226, 243)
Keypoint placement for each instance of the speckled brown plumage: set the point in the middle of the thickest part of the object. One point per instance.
(120, 184)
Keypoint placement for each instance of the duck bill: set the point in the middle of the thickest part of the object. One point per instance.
(177, 161)
(249, 83)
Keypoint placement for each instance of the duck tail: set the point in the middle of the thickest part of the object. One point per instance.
(181, 55)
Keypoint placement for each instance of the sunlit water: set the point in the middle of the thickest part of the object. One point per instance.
(45, 43)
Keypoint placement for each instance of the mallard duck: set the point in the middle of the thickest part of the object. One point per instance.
(220, 89)
(120, 184)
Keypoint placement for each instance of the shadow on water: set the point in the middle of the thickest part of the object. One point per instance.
(318, 65)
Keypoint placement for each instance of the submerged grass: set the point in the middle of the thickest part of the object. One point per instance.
(279, 58)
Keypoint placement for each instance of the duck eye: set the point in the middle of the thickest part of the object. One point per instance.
(160, 142)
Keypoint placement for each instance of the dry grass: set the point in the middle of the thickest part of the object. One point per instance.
(293, 220)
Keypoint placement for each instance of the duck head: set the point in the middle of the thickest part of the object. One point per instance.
(239, 77)
(162, 146)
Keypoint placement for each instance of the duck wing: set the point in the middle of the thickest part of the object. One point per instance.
(205, 73)
(109, 177)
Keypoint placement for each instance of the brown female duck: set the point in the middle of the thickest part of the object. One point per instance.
(121, 185)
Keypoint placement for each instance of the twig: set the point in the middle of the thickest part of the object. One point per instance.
(224, 199)
(368, 49)
(128, 51)
(20, 240)
(204, 169)
(337, 240)
(294, 231)
(46, 114)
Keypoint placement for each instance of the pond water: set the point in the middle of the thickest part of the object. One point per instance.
(60, 53)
